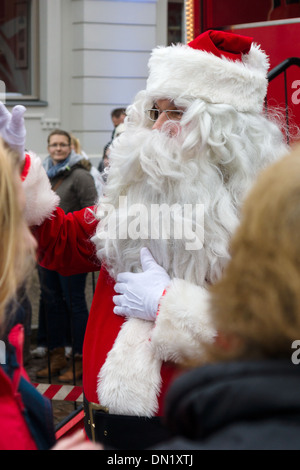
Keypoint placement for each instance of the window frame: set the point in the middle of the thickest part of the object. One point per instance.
(13, 98)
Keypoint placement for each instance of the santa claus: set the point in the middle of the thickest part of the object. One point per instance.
(194, 142)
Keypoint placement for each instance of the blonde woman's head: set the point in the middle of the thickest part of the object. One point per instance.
(256, 305)
(17, 247)
(75, 144)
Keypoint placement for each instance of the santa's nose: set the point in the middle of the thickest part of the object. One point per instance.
(160, 121)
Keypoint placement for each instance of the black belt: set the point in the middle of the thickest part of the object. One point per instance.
(121, 431)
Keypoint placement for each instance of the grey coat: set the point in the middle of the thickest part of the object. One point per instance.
(75, 185)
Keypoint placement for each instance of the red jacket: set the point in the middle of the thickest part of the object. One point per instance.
(15, 433)
(26, 418)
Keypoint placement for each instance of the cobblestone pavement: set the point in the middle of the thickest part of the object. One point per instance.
(61, 409)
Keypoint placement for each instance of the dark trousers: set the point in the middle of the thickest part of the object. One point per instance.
(63, 311)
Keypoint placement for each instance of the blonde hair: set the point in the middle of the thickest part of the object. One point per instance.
(16, 256)
(76, 143)
(257, 302)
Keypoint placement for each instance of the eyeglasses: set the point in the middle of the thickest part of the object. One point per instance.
(54, 146)
(172, 114)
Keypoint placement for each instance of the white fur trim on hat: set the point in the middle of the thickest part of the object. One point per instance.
(181, 71)
(182, 323)
(40, 199)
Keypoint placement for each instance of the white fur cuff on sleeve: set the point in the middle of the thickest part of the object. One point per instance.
(40, 199)
(182, 324)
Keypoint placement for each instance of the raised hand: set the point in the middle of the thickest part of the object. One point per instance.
(12, 128)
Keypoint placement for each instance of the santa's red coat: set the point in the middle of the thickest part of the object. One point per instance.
(65, 246)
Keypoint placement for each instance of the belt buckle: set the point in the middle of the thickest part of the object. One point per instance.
(95, 407)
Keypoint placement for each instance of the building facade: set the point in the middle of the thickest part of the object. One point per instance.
(70, 62)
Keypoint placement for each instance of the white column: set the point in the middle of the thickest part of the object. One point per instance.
(111, 45)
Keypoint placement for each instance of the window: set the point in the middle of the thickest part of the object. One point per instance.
(19, 48)
(217, 14)
(175, 21)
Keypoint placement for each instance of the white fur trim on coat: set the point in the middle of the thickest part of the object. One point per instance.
(40, 199)
(182, 322)
(179, 70)
(129, 381)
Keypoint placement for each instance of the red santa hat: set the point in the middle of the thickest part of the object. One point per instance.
(217, 67)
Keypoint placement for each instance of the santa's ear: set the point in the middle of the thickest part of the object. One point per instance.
(228, 342)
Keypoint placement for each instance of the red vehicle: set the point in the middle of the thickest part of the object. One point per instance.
(275, 25)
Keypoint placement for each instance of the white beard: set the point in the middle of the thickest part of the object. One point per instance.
(148, 167)
(212, 160)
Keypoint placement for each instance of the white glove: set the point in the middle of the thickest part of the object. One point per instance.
(141, 292)
(12, 128)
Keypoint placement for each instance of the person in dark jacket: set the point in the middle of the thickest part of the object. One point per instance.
(247, 395)
(104, 162)
(63, 312)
